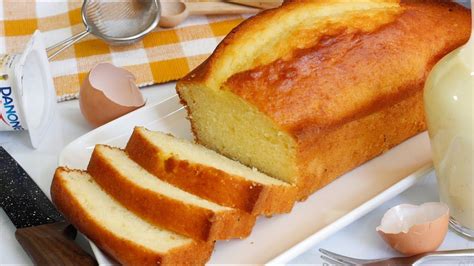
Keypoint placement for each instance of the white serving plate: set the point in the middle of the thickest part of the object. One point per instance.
(283, 237)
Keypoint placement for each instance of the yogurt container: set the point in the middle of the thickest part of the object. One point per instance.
(27, 95)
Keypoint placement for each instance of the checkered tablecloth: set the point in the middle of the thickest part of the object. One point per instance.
(162, 56)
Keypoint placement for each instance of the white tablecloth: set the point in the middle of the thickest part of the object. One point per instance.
(359, 239)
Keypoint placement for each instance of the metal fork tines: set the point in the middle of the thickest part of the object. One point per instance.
(463, 255)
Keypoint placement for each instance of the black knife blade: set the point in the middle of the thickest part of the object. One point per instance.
(41, 229)
(22, 200)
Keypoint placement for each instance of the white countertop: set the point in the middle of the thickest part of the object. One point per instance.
(358, 239)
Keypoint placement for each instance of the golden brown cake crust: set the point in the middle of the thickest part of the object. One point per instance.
(185, 219)
(210, 183)
(328, 96)
(349, 75)
(321, 160)
(328, 102)
(209, 71)
(124, 251)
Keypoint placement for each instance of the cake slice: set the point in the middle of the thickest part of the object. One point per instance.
(209, 175)
(163, 204)
(117, 231)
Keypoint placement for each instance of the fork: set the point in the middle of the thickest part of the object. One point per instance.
(334, 258)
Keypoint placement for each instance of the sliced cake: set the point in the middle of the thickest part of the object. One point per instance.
(117, 231)
(208, 174)
(163, 204)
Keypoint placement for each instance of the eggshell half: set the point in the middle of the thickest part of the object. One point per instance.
(412, 229)
(107, 93)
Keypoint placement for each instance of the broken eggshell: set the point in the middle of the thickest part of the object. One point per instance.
(107, 93)
(412, 229)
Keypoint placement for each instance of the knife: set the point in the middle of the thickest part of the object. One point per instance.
(41, 230)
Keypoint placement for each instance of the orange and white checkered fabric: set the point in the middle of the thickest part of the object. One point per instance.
(162, 56)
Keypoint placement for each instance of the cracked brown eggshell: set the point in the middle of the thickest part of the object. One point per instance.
(108, 92)
(412, 229)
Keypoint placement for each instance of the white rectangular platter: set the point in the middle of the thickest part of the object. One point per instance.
(280, 238)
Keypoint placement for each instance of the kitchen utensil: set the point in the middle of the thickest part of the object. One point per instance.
(41, 229)
(260, 4)
(173, 13)
(122, 22)
(459, 255)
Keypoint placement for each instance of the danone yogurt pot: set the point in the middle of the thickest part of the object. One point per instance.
(27, 95)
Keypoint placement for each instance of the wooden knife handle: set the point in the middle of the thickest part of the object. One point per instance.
(53, 244)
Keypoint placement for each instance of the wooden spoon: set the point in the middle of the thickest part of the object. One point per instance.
(265, 4)
(173, 13)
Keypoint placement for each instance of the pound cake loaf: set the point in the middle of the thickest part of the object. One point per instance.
(310, 90)
(209, 175)
(117, 231)
(163, 204)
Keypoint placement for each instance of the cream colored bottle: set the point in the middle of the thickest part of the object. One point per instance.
(449, 104)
